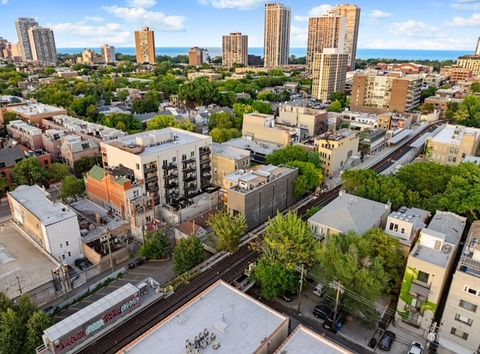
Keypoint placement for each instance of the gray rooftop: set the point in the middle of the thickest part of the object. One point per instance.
(230, 152)
(257, 146)
(88, 313)
(400, 136)
(239, 322)
(11, 155)
(470, 259)
(304, 340)
(35, 200)
(453, 134)
(348, 213)
(32, 109)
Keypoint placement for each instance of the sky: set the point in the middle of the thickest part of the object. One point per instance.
(384, 24)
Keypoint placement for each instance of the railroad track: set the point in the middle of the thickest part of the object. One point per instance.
(227, 269)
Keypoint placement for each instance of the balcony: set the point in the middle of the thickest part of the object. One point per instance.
(152, 178)
(190, 178)
(205, 167)
(189, 169)
(170, 166)
(205, 159)
(171, 185)
(419, 289)
(151, 168)
(170, 176)
(190, 187)
(188, 161)
(204, 151)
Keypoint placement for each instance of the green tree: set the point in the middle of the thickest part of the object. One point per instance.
(428, 107)
(149, 103)
(8, 117)
(5, 302)
(57, 171)
(122, 95)
(160, 122)
(227, 230)
(220, 135)
(36, 325)
(309, 178)
(187, 254)
(335, 106)
(29, 172)
(168, 85)
(72, 187)
(223, 120)
(239, 109)
(156, 246)
(11, 332)
(287, 154)
(274, 279)
(86, 163)
(262, 107)
(475, 87)
(198, 92)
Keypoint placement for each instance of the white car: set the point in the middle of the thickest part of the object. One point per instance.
(319, 289)
(415, 348)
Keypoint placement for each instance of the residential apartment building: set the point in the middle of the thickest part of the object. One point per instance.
(226, 160)
(234, 49)
(460, 323)
(276, 35)
(42, 45)
(23, 24)
(470, 62)
(452, 144)
(429, 266)
(394, 120)
(108, 53)
(25, 134)
(117, 190)
(456, 73)
(89, 57)
(262, 127)
(314, 121)
(73, 148)
(9, 157)
(335, 149)
(348, 213)
(441, 103)
(195, 56)
(405, 68)
(352, 16)
(51, 225)
(34, 113)
(145, 46)
(260, 193)
(375, 93)
(324, 32)
(170, 163)
(329, 70)
(405, 224)
(52, 142)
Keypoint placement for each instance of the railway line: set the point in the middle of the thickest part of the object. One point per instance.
(227, 269)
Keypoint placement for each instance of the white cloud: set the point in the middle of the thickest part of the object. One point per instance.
(3, 2)
(298, 36)
(96, 19)
(140, 16)
(413, 28)
(80, 34)
(472, 21)
(145, 4)
(233, 4)
(466, 5)
(314, 12)
(379, 14)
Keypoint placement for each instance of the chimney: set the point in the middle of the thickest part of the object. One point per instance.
(97, 218)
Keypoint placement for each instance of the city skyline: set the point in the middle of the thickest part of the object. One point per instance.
(444, 25)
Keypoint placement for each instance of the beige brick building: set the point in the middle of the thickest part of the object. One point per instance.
(262, 127)
(452, 144)
(471, 62)
(276, 35)
(329, 73)
(235, 49)
(335, 149)
(227, 159)
(460, 323)
(315, 121)
(145, 46)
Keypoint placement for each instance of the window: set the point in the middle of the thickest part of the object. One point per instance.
(137, 166)
(422, 276)
(63, 256)
(184, 157)
(192, 153)
(174, 159)
(459, 333)
(69, 254)
(468, 306)
(463, 319)
(66, 243)
(61, 245)
(471, 291)
(391, 226)
(402, 231)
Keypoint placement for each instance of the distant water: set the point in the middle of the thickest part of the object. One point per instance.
(401, 54)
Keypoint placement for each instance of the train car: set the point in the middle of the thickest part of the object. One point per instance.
(67, 334)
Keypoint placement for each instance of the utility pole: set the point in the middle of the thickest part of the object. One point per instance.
(302, 270)
(19, 285)
(339, 287)
(109, 239)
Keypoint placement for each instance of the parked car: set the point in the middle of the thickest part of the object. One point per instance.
(386, 341)
(415, 348)
(319, 289)
(322, 310)
(340, 321)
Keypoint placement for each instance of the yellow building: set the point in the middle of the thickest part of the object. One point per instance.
(471, 62)
(277, 35)
(262, 127)
(452, 144)
(329, 73)
(335, 148)
(145, 45)
(234, 49)
(227, 159)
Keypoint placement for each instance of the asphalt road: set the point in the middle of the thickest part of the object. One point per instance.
(5, 212)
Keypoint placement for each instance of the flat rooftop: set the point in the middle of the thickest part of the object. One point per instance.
(470, 259)
(33, 109)
(256, 146)
(336, 136)
(24, 127)
(19, 257)
(453, 134)
(256, 177)
(81, 126)
(239, 322)
(443, 224)
(304, 340)
(156, 141)
(230, 152)
(35, 200)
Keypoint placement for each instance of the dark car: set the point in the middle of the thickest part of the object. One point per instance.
(322, 310)
(340, 321)
(386, 341)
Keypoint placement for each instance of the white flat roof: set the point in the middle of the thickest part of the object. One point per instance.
(35, 200)
(230, 152)
(88, 313)
(239, 322)
(304, 340)
(453, 134)
(257, 146)
(32, 109)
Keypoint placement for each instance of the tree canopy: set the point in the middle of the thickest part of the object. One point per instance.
(29, 172)
(160, 122)
(188, 253)
(72, 187)
(156, 246)
(227, 230)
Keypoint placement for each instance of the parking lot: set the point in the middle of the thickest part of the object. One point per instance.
(353, 329)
